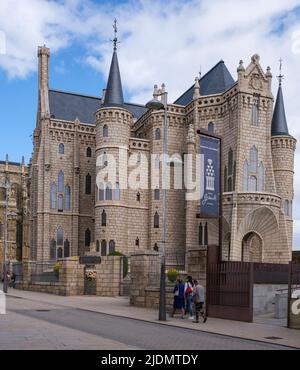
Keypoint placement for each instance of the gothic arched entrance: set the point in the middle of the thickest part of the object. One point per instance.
(252, 248)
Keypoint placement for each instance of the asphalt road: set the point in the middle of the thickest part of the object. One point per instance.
(34, 325)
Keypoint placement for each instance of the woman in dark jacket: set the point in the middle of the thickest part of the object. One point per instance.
(178, 298)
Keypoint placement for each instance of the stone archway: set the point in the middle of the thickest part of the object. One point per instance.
(252, 248)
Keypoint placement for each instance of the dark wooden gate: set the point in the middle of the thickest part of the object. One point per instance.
(294, 296)
(230, 290)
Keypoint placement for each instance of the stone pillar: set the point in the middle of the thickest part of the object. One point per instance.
(71, 277)
(144, 272)
(109, 276)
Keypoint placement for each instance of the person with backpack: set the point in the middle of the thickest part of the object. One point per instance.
(198, 300)
(188, 294)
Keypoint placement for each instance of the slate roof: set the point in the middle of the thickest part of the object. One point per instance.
(114, 92)
(215, 81)
(67, 106)
(279, 122)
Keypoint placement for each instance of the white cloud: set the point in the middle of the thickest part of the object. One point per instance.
(162, 42)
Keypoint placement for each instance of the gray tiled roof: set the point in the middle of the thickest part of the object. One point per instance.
(279, 123)
(69, 106)
(215, 81)
(114, 91)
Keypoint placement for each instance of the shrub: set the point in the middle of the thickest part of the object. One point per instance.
(172, 275)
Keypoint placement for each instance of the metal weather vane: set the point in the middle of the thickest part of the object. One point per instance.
(115, 39)
(281, 76)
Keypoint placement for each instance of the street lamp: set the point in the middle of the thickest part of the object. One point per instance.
(156, 104)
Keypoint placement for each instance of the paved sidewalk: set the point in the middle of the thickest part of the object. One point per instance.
(119, 306)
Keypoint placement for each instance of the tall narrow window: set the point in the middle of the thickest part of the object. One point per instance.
(101, 192)
(286, 207)
(261, 177)
(59, 252)
(97, 246)
(108, 192)
(137, 242)
(67, 198)
(255, 114)
(117, 192)
(157, 134)
(88, 152)
(103, 218)
(60, 203)
(1, 230)
(105, 131)
(61, 149)
(138, 197)
(88, 184)
(52, 249)
(156, 194)
(112, 246)
(206, 234)
(253, 159)
(155, 248)
(211, 127)
(200, 234)
(87, 238)
(225, 179)
(60, 236)
(103, 248)
(61, 181)
(66, 248)
(156, 220)
(53, 196)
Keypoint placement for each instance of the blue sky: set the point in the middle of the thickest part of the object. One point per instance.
(183, 35)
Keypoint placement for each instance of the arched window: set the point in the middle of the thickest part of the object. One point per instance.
(261, 177)
(66, 248)
(103, 248)
(88, 184)
(230, 162)
(138, 197)
(103, 218)
(252, 183)
(229, 186)
(253, 159)
(105, 131)
(286, 207)
(157, 134)
(53, 196)
(87, 237)
(155, 248)
(156, 194)
(60, 236)
(89, 152)
(245, 176)
(112, 246)
(117, 192)
(61, 149)
(156, 220)
(52, 249)
(61, 181)
(137, 242)
(97, 246)
(108, 192)
(211, 127)
(68, 198)
(60, 203)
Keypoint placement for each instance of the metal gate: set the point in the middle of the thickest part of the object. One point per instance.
(230, 290)
(294, 296)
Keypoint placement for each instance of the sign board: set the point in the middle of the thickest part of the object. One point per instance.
(210, 175)
(90, 260)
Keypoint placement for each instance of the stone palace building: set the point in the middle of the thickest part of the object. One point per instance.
(69, 215)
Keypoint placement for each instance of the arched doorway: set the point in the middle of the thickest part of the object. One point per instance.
(252, 248)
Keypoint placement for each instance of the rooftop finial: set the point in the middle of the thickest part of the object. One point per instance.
(200, 73)
(115, 40)
(281, 76)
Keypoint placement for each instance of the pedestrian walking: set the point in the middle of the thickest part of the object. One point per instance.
(198, 300)
(188, 294)
(178, 303)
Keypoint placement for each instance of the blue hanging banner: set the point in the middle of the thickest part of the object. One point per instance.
(210, 176)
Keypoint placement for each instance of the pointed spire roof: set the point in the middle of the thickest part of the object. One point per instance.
(114, 92)
(279, 122)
